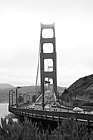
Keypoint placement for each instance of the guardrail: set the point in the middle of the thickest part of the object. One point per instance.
(55, 116)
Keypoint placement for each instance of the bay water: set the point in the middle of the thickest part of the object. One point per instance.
(3, 110)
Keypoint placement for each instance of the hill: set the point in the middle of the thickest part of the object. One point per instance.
(4, 91)
(5, 85)
(83, 86)
(81, 89)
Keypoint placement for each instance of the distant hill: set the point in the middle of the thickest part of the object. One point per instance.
(61, 89)
(32, 88)
(4, 91)
(5, 85)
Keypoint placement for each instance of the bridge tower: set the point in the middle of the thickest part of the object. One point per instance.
(43, 56)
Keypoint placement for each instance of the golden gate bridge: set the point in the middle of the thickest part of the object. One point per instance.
(46, 106)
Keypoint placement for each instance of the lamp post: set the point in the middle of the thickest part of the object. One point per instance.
(12, 96)
(47, 82)
(24, 97)
(49, 67)
(43, 104)
(17, 95)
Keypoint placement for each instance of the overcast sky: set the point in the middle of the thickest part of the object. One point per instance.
(20, 36)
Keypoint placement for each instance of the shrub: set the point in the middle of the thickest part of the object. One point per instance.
(67, 130)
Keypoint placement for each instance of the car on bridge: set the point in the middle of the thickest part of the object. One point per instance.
(91, 112)
(78, 109)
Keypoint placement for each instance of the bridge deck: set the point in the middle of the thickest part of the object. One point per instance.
(50, 115)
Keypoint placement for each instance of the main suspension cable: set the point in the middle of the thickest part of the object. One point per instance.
(37, 70)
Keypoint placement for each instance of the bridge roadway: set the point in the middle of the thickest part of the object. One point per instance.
(51, 115)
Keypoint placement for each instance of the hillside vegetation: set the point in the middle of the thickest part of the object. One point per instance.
(81, 91)
(83, 86)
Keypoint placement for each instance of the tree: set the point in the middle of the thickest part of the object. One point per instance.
(68, 130)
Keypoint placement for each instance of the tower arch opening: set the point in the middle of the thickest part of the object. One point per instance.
(48, 48)
(48, 65)
(47, 33)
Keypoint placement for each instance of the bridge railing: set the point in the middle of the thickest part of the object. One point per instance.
(52, 114)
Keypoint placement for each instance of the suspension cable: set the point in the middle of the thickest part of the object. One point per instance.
(37, 70)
